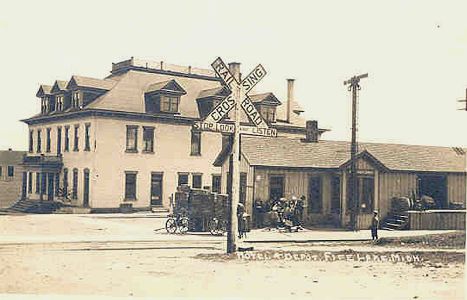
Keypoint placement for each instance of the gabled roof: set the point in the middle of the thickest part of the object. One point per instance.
(265, 98)
(294, 153)
(88, 82)
(217, 92)
(59, 85)
(166, 86)
(43, 90)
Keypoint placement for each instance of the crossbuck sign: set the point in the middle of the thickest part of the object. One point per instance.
(211, 123)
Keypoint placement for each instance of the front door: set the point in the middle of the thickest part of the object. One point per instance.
(50, 186)
(156, 188)
(24, 184)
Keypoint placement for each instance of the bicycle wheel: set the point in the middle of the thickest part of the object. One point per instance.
(171, 226)
(183, 225)
(213, 226)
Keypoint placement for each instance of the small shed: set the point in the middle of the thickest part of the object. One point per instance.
(319, 171)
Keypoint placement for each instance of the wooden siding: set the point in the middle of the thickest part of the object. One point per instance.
(437, 219)
(394, 185)
(456, 187)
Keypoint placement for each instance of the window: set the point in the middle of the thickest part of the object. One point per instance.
(45, 104)
(76, 99)
(74, 192)
(59, 102)
(276, 187)
(11, 171)
(216, 183)
(87, 144)
(195, 142)
(131, 138)
(30, 182)
(130, 185)
(197, 181)
(76, 141)
(31, 140)
(38, 182)
(148, 139)
(59, 140)
(335, 194)
(39, 141)
(268, 113)
(65, 181)
(315, 195)
(47, 142)
(169, 103)
(182, 179)
(67, 138)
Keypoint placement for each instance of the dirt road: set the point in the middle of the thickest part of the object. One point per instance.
(195, 266)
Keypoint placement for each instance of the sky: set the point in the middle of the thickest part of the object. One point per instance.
(415, 53)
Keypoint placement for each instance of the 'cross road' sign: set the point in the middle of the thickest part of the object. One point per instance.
(228, 103)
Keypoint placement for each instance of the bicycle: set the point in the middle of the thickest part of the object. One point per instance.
(177, 222)
(217, 226)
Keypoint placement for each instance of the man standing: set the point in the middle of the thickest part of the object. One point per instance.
(374, 225)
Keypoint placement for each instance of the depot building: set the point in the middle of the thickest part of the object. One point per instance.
(287, 166)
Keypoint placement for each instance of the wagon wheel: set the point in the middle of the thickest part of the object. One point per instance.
(171, 226)
(183, 225)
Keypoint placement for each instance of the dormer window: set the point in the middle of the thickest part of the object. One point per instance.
(45, 104)
(163, 97)
(75, 99)
(268, 113)
(209, 99)
(169, 103)
(59, 102)
(266, 105)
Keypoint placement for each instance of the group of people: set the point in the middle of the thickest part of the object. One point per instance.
(288, 213)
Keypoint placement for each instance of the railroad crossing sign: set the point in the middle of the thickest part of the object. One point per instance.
(223, 108)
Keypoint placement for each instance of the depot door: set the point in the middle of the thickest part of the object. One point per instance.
(156, 188)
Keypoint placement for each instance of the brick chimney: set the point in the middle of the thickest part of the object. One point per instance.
(312, 132)
(290, 83)
(234, 68)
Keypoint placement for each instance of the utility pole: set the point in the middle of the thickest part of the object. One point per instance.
(354, 87)
(237, 101)
(235, 196)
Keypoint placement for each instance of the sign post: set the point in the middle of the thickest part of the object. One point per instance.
(237, 100)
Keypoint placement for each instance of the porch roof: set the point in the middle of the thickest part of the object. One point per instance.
(294, 153)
